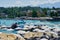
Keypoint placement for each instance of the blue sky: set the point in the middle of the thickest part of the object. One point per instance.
(22, 3)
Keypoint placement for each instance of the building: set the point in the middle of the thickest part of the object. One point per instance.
(55, 11)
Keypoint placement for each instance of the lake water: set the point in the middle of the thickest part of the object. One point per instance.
(31, 22)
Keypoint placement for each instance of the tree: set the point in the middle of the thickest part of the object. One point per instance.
(34, 14)
(56, 14)
(52, 14)
(53, 7)
(43, 15)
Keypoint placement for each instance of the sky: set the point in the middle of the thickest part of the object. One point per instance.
(22, 3)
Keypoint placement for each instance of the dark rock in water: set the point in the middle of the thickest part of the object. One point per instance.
(14, 26)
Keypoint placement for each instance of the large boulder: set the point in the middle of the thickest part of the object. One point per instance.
(4, 36)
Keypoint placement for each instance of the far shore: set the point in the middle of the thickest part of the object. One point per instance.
(29, 18)
(34, 18)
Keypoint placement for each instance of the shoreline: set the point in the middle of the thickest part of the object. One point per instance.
(38, 32)
(30, 18)
(34, 18)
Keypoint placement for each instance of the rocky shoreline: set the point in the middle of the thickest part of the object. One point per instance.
(32, 33)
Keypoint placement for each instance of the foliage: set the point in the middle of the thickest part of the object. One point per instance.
(34, 14)
(13, 12)
(43, 15)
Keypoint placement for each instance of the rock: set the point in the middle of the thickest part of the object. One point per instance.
(11, 37)
(21, 32)
(38, 30)
(33, 34)
(43, 39)
(19, 37)
(4, 36)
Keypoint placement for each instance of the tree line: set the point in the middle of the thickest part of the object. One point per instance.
(28, 11)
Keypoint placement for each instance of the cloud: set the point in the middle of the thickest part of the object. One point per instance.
(53, 1)
(35, 2)
(12, 3)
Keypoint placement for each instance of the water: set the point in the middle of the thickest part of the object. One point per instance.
(31, 22)
(6, 31)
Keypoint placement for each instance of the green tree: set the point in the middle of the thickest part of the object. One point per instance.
(56, 14)
(53, 8)
(34, 14)
(43, 15)
(52, 14)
